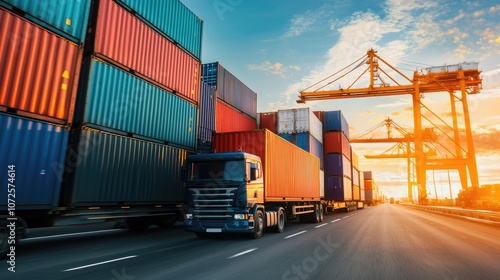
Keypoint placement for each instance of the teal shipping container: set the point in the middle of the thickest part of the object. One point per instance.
(115, 170)
(31, 155)
(170, 18)
(67, 18)
(113, 100)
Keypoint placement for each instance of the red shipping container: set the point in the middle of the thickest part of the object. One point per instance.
(268, 121)
(228, 119)
(336, 142)
(38, 71)
(320, 115)
(290, 173)
(130, 43)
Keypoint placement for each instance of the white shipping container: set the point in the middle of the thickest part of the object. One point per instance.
(362, 185)
(298, 121)
(322, 182)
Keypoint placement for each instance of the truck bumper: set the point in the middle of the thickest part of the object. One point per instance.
(217, 226)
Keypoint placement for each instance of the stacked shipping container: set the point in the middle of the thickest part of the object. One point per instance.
(338, 166)
(132, 104)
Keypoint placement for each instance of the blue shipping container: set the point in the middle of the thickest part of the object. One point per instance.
(115, 170)
(170, 18)
(335, 121)
(63, 17)
(338, 188)
(230, 89)
(120, 102)
(206, 121)
(307, 142)
(35, 150)
(337, 164)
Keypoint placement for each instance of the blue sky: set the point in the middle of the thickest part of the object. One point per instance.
(278, 48)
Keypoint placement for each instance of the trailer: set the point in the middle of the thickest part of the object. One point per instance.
(254, 180)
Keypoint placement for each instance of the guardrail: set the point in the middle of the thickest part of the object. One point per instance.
(464, 212)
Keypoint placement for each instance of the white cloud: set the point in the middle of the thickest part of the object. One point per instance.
(300, 24)
(275, 68)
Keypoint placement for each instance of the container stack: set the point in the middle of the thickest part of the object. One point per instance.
(268, 120)
(302, 128)
(138, 97)
(338, 165)
(236, 104)
(355, 176)
(370, 191)
(40, 53)
(206, 120)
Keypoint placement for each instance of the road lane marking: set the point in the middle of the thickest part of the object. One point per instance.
(99, 263)
(295, 234)
(242, 253)
(335, 221)
(346, 217)
(322, 225)
(72, 234)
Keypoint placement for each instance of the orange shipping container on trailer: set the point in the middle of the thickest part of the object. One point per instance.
(290, 173)
(38, 71)
(125, 40)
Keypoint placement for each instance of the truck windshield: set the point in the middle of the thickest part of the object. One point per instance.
(233, 170)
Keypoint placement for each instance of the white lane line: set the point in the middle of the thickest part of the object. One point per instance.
(295, 234)
(335, 221)
(71, 234)
(99, 263)
(322, 225)
(346, 217)
(242, 253)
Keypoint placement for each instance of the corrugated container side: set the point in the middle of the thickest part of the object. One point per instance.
(172, 19)
(230, 89)
(39, 71)
(354, 159)
(355, 192)
(322, 183)
(291, 174)
(336, 142)
(362, 185)
(127, 41)
(267, 121)
(116, 170)
(337, 164)
(66, 18)
(309, 143)
(288, 137)
(119, 102)
(36, 150)
(368, 175)
(306, 121)
(368, 195)
(335, 121)
(206, 121)
(355, 176)
(286, 121)
(368, 184)
(338, 188)
(228, 119)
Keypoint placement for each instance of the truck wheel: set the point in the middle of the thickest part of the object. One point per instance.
(321, 213)
(138, 224)
(318, 214)
(281, 221)
(259, 225)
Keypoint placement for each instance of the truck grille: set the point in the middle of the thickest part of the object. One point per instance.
(213, 203)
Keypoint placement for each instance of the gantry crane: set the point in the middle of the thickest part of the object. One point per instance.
(464, 78)
(403, 148)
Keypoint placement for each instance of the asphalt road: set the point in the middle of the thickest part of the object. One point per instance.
(380, 242)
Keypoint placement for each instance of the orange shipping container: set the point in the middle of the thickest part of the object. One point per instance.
(368, 184)
(38, 71)
(355, 192)
(290, 173)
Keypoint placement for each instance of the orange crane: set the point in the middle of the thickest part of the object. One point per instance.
(463, 78)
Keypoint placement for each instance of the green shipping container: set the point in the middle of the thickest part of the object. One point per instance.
(67, 18)
(112, 170)
(170, 18)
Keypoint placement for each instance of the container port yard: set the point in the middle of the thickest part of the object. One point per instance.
(143, 140)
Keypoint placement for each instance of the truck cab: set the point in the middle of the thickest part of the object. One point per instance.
(224, 193)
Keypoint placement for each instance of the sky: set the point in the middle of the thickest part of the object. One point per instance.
(278, 48)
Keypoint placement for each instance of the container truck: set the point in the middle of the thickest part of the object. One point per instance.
(254, 180)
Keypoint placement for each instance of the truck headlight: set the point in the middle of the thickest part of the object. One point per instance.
(240, 216)
(189, 216)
